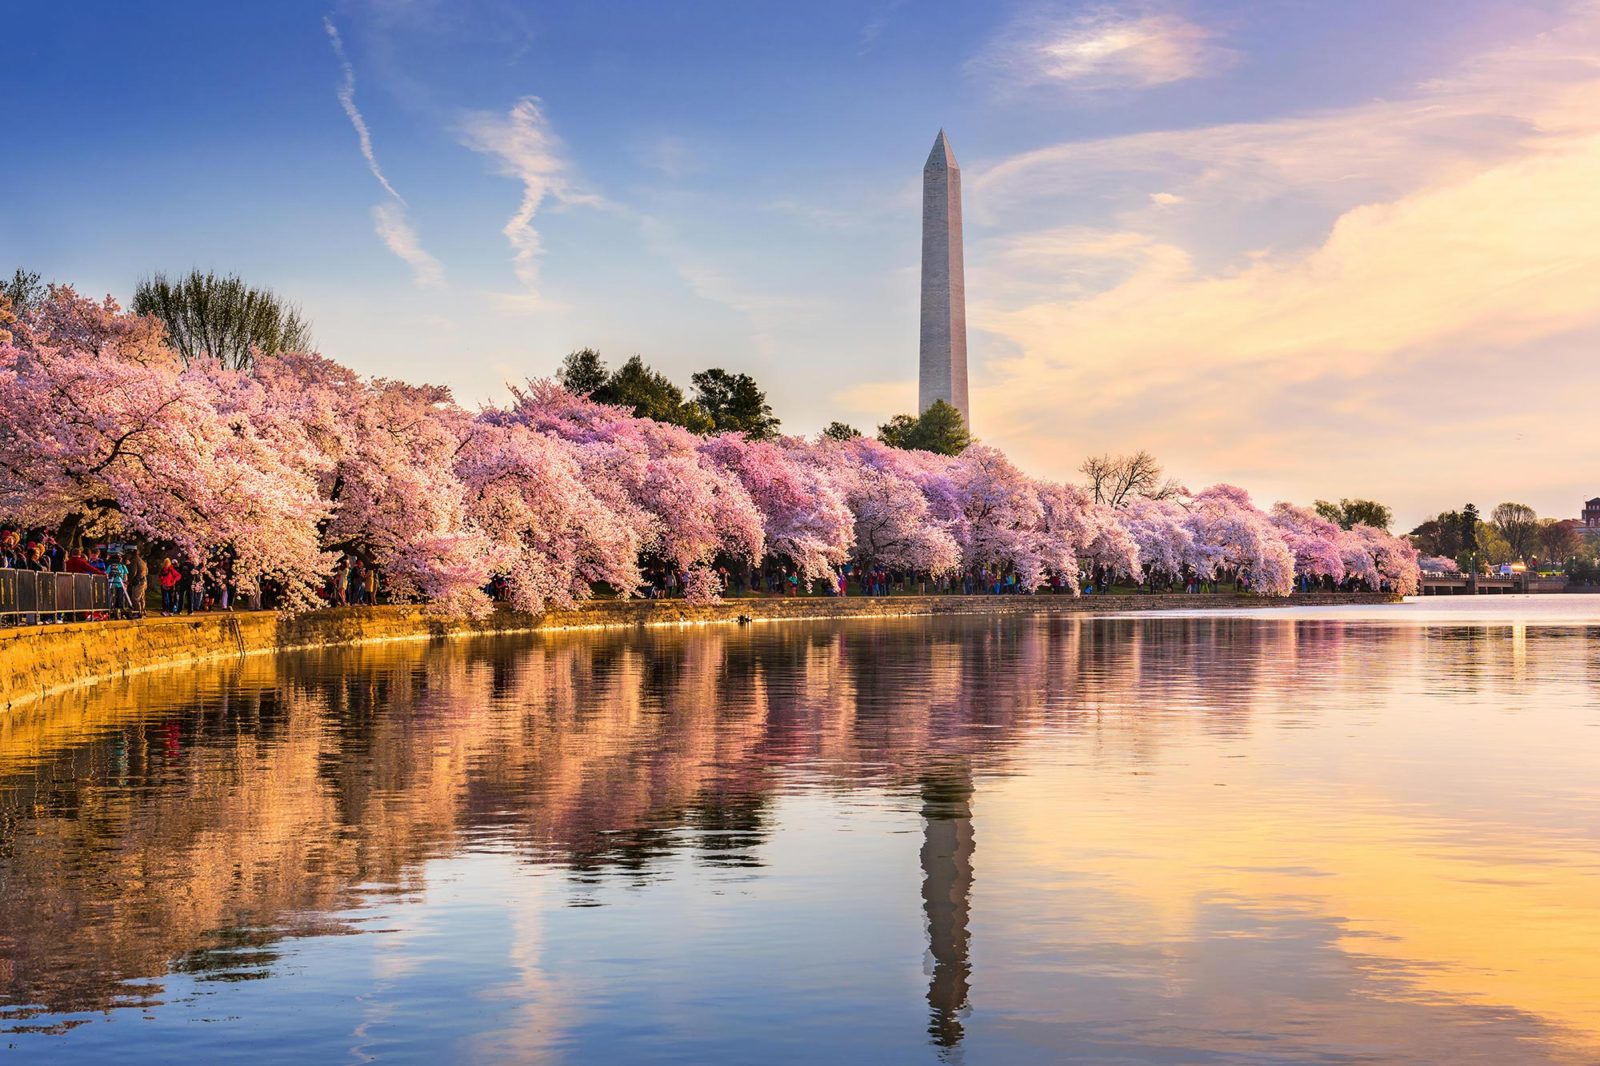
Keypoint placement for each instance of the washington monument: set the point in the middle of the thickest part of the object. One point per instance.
(943, 371)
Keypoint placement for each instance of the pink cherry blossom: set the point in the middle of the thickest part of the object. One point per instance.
(1314, 540)
(1231, 536)
(104, 431)
(804, 515)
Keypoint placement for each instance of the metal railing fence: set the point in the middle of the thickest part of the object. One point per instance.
(26, 596)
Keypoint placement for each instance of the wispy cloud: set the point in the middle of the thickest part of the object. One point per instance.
(347, 100)
(673, 156)
(389, 219)
(1109, 47)
(1298, 286)
(878, 21)
(526, 148)
(395, 232)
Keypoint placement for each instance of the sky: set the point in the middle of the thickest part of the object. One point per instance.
(1317, 250)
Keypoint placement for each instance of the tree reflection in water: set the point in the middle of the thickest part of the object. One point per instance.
(186, 823)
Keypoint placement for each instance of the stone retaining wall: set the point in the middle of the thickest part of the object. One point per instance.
(38, 660)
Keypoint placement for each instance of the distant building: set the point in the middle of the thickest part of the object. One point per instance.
(1591, 516)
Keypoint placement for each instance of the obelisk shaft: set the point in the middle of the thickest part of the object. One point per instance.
(943, 370)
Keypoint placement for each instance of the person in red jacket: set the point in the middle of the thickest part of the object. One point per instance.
(168, 577)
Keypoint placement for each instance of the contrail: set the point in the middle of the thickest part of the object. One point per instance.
(347, 97)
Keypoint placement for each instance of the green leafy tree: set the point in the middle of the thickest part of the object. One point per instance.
(898, 431)
(583, 373)
(651, 394)
(939, 429)
(1439, 535)
(1558, 539)
(1518, 524)
(1348, 513)
(840, 431)
(1584, 565)
(222, 318)
(1493, 548)
(734, 403)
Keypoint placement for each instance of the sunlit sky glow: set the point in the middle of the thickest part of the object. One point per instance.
(1314, 249)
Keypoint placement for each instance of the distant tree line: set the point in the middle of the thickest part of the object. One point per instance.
(723, 401)
(1513, 533)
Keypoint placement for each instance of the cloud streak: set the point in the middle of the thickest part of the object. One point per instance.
(347, 100)
(525, 147)
(389, 220)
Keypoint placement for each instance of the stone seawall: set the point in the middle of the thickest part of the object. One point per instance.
(38, 660)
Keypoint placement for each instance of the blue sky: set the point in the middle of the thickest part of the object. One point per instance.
(1310, 248)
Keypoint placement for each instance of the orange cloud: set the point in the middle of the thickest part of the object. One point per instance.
(1453, 240)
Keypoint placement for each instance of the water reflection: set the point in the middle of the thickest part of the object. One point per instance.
(947, 898)
(1204, 838)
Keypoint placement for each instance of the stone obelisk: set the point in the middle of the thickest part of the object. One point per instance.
(943, 371)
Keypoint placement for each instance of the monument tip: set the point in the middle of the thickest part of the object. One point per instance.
(941, 154)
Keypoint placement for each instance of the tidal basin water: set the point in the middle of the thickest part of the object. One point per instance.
(1363, 835)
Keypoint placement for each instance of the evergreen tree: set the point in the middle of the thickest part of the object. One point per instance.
(651, 394)
(583, 373)
(734, 403)
(939, 429)
(23, 291)
(1469, 538)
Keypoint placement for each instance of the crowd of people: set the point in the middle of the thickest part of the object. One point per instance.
(781, 579)
(184, 585)
(353, 584)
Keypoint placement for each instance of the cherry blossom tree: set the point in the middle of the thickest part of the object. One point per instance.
(1394, 558)
(1230, 534)
(1314, 540)
(1159, 529)
(104, 430)
(1095, 533)
(1000, 519)
(805, 518)
(1359, 565)
(690, 507)
(106, 434)
(383, 454)
(547, 534)
(893, 524)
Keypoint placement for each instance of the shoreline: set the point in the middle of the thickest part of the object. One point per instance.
(40, 661)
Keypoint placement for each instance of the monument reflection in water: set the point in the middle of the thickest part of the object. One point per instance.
(1209, 839)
